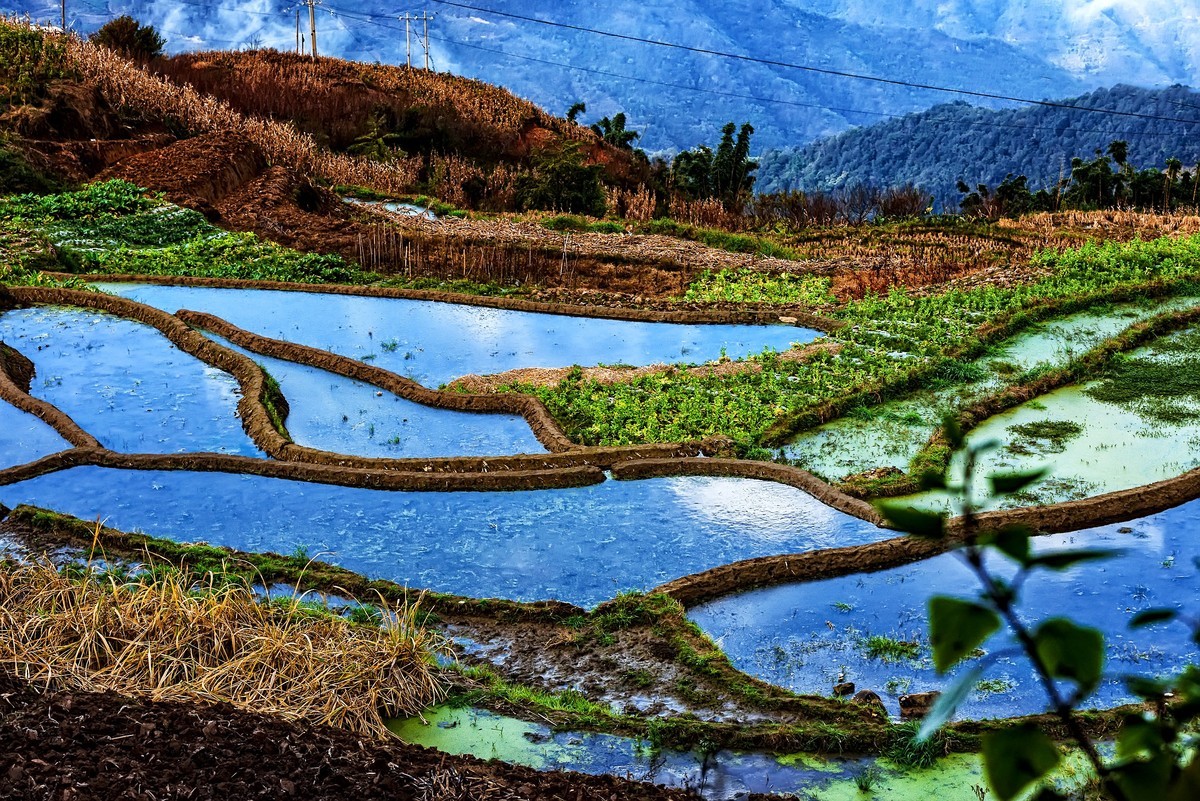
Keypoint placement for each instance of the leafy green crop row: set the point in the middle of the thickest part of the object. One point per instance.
(885, 341)
(752, 286)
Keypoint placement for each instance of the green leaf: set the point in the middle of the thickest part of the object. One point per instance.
(953, 431)
(1012, 541)
(1145, 780)
(1138, 737)
(920, 523)
(956, 628)
(1071, 651)
(1146, 688)
(1150, 617)
(1061, 560)
(1017, 757)
(1008, 483)
(943, 708)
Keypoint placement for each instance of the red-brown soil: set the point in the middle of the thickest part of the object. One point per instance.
(65, 745)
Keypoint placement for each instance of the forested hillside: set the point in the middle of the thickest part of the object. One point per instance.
(936, 148)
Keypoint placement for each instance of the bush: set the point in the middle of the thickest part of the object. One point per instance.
(127, 36)
(560, 181)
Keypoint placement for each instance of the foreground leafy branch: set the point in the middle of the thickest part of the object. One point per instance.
(1155, 751)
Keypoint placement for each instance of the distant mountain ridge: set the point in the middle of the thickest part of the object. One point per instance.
(1033, 48)
(934, 149)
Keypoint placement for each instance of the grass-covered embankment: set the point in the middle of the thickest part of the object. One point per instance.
(115, 228)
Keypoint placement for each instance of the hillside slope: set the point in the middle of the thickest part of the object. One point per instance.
(935, 148)
(1032, 48)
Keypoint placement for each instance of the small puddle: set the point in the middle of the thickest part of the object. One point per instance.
(434, 343)
(872, 629)
(333, 413)
(125, 384)
(407, 209)
(582, 545)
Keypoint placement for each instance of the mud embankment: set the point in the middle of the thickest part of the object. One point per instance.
(416, 481)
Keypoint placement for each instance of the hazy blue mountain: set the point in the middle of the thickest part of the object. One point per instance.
(935, 148)
(1036, 48)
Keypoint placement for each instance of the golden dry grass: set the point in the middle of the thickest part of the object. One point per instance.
(169, 638)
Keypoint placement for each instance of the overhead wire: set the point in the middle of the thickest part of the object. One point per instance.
(374, 19)
(808, 67)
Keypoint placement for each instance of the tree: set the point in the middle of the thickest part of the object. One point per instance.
(731, 178)
(691, 173)
(127, 36)
(574, 111)
(614, 132)
(377, 142)
(726, 175)
(561, 181)
(1171, 176)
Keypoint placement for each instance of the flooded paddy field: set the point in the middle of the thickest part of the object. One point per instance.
(24, 438)
(434, 343)
(871, 629)
(126, 384)
(892, 433)
(578, 545)
(333, 413)
(587, 545)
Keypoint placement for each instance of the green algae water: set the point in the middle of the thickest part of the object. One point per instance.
(722, 776)
(891, 434)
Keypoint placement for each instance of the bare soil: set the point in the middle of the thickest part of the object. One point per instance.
(63, 745)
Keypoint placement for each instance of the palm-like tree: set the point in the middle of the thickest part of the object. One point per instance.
(614, 132)
(1174, 166)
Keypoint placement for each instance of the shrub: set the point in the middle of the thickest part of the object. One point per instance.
(127, 36)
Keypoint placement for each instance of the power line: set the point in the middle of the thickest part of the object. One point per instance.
(370, 19)
(810, 68)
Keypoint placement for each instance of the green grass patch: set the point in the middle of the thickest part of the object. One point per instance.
(890, 649)
(752, 286)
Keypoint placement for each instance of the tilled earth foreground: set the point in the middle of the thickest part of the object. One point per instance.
(66, 745)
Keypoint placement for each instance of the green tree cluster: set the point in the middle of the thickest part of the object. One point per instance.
(726, 174)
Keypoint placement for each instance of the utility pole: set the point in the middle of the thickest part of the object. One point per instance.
(64, 16)
(407, 39)
(297, 31)
(312, 25)
(408, 19)
(425, 17)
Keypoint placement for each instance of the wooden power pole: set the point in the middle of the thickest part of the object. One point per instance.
(64, 16)
(312, 25)
(297, 31)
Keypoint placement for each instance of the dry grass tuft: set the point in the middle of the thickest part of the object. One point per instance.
(167, 637)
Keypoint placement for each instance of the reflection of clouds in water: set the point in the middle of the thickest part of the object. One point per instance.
(762, 509)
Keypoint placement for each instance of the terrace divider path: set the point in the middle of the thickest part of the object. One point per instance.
(766, 571)
(561, 477)
(16, 378)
